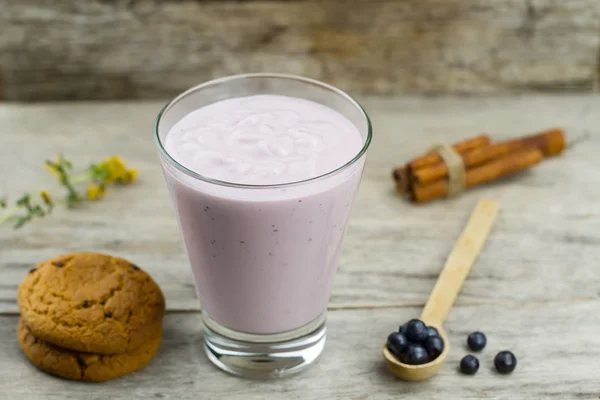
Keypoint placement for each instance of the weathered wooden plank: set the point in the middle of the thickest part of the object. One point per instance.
(545, 246)
(557, 346)
(139, 49)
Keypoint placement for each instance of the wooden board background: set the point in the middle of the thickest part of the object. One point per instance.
(534, 289)
(351, 367)
(123, 49)
(550, 222)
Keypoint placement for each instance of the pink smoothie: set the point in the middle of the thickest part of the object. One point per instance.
(264, 258)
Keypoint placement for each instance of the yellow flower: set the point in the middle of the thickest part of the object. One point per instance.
(46, 197)
(119, 172)
(127, 176)
(131, 175)
(116, 170)
(95, 192)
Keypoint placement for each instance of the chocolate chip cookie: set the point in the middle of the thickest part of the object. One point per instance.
(91, 302)
(85, 366)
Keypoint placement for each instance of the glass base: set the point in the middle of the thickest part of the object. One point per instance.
(264, 356)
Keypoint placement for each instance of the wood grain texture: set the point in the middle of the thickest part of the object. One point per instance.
(545, 245)
(461, 259)
(351, 366)
(534, 281)
(122, 49)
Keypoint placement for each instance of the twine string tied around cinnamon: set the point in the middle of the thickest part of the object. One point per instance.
(456, 167)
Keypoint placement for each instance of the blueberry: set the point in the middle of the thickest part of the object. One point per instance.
(415, 355)
(476, 341)
(505, 362)
(469, 365)
(434, 346)
(397, 343)
(402, 328)
(431, 331)
(416, 331)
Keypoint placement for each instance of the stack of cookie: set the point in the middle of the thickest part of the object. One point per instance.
(89, 316)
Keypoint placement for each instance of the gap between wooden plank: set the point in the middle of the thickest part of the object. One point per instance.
(464, 304)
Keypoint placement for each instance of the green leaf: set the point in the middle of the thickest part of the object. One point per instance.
(24, 200)
(22, 221)
(37, 210)
(3, 203)
(98, 173)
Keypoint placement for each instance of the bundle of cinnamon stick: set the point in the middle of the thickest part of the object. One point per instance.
(426, 178)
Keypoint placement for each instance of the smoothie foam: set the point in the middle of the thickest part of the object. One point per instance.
(263, 140)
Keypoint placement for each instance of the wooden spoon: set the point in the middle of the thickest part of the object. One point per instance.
(446, 289)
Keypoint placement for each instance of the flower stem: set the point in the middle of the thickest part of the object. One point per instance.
(6, 215)
(80, 178)
(11, 212)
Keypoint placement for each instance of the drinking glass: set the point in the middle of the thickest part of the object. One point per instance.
(263, 256)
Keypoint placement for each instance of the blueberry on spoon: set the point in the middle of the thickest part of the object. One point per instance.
(434, 346)
(415, 355)
(416, 331)
(397, 343)
(402, 328)
(432, 331)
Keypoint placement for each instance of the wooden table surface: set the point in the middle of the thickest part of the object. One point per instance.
(534, 290)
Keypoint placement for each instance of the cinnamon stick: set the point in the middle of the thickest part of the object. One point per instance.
(460, 147)
(506, 165)
(550, 142)
(402, 179)
(402, 175)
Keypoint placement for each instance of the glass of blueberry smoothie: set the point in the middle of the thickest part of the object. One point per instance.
(263, 170)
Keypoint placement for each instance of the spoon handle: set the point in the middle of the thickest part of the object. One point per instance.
(459, 262)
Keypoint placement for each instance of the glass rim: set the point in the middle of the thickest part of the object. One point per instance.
(225, 79)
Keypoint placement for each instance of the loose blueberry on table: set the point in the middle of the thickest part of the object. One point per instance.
(476, 341)
(505, 362)
(415, 343)
(469, 365)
